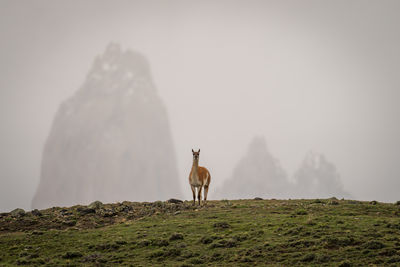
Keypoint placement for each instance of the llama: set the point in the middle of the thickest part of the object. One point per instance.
(199, 177)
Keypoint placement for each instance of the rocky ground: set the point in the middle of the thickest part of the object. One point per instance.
(319, 232)
(80, 217)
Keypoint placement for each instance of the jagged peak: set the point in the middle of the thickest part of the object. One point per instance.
(313, 159)
(258, 145)
(112, 116)
(113, 48)
(115, 57)
(119, 70)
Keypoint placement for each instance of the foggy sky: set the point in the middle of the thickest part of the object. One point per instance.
(307, 75)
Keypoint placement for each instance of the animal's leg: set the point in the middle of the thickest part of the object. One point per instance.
(194, 194)
(205, 194)
(199, 195)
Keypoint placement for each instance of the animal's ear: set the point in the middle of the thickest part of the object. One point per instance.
(192, 151)
(199, 150)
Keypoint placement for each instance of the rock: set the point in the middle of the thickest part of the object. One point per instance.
(65, 212)
(106, 212)
(114, 136)
(333, 202)
(158, 204)
(259, 173)
(17, 213)
(84, 210)
(175, 201)
(95, 205)
(124, 208)
(36, 212)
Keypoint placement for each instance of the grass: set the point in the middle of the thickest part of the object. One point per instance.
(323, 232)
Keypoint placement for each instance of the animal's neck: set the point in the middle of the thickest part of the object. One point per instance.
(195, 165)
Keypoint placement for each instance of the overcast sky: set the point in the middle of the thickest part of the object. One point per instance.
(307, 75)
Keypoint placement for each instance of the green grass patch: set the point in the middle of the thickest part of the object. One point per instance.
(322, 232)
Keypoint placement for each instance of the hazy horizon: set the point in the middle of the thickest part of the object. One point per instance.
(306, 75)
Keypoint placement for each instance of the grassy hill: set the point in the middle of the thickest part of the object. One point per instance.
(317, 232)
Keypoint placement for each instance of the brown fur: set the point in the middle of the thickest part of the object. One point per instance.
(202, 172)
(202, 179)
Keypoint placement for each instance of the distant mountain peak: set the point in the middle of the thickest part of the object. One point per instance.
(313, 159)
(317, 177)
(113, 48)
(111, 141)
(258, 173)
(117, 70)
(258, 145)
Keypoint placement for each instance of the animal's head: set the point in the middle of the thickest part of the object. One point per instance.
(196, 155)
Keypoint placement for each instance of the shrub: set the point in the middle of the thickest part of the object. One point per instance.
(394, 259)
(144, 243)
(225, 243)
(345, 264)
(301, 212)
(308, 257)
(197, 261)
(160, 242)
(72, 254)
(374, 245)
(222, 225)
(176, 236)
(206, 240)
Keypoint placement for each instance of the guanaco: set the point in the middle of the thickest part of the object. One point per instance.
(199, 177)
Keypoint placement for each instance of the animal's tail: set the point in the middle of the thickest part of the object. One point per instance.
(208, 179)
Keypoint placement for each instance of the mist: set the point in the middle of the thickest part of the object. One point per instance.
(303, 75)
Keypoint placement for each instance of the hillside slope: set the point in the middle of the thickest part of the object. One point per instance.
(327, 232)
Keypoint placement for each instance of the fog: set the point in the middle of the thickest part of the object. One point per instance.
(305, 75)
